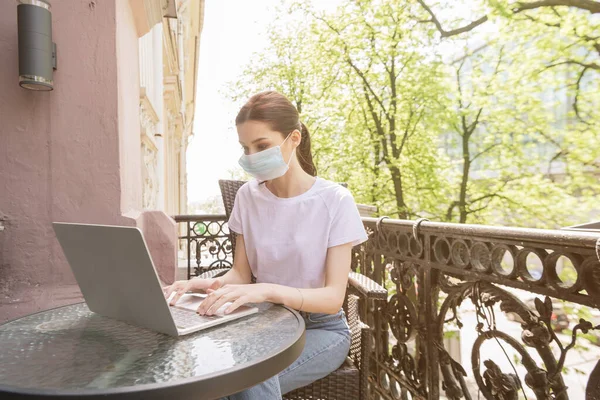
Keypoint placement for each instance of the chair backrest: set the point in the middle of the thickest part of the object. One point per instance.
(229, 189)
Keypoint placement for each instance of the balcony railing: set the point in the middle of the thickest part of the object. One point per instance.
(206, 241)
(452, 289)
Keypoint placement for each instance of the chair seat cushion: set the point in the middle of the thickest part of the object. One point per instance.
(341, 384)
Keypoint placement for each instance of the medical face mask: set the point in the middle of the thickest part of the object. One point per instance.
(267, 164)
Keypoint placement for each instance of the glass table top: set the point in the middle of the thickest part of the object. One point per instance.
(70, 348)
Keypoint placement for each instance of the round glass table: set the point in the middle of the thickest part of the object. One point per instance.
(71, 352)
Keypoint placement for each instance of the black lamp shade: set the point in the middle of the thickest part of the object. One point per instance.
(36, 50)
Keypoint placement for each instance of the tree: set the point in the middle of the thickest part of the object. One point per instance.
(212, 205)
(553, 48)
(449, 123)
(393, 96)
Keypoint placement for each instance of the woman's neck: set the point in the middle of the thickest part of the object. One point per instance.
(292, 184)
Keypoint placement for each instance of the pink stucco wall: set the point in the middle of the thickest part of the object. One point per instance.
(67, 155)
(128, 107)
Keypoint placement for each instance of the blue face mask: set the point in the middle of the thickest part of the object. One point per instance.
(267, 164)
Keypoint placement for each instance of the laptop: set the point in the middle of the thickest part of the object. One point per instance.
(118, 280)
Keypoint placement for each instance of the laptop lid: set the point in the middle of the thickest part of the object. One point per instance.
(115, 273)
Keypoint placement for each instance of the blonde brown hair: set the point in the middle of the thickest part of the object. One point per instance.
(280, 114)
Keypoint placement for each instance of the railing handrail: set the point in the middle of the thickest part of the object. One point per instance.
(196, 217)
(562, 237)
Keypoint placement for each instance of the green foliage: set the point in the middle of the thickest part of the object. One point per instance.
(491, 125)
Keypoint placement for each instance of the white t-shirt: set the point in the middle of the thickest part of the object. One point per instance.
(287, 238)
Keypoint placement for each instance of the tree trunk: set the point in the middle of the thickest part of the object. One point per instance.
(462, 200)
(397, 181)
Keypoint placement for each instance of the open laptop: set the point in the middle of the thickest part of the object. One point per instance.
(116, 275)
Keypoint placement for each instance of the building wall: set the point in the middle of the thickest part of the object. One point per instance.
(73, 154)
(128, 86)
(59, 152)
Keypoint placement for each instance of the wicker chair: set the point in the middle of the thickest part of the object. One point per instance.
(350, 381)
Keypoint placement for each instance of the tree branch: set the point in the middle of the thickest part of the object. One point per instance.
(576, 99)
(588, 5)
(471, 128)
(453, 32)
(559, 154)
(351, 63)
(368, 85)
(590, 66)
(484, 151)
(450, 211)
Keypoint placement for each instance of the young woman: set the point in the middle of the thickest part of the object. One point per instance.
(295, 235)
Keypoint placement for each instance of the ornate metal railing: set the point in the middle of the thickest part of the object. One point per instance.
(429, 270)
(206, 241)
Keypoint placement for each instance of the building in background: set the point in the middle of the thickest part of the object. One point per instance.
(168, 60)
(106, 146)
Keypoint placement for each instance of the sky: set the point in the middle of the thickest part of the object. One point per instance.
(233, 30)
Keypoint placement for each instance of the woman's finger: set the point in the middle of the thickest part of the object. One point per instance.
(225, 288)
(209, 301)
(217, 304)
(167, 290)
(180, 292)
(170, 289)
(236, 304)
(215, 285)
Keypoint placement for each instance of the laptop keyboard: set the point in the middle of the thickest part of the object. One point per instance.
(189, 319)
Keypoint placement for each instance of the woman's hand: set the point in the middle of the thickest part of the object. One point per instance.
(182, 287)
(238, 295)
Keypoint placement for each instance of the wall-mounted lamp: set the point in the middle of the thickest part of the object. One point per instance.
(37, 52)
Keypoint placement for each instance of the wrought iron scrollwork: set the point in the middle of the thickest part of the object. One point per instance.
(431, 270)
(208, 243)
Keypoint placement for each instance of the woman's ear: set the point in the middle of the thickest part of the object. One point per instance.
(296, 137)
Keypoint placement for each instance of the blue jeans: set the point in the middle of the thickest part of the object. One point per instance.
(326, 348)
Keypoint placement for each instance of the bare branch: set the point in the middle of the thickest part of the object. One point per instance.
(586, 67)
(529, 17)
(453, 32)
(497, 69)
(450, 211)
(590, 66)
(473, 125)
(406, 134)
(556, 157)
(588, 5)
(459, 86)
(482, 152)
(360, 73)
(487, 196)
(576, 100)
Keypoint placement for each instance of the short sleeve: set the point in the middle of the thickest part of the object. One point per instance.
(235, 219)
(346, 224)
